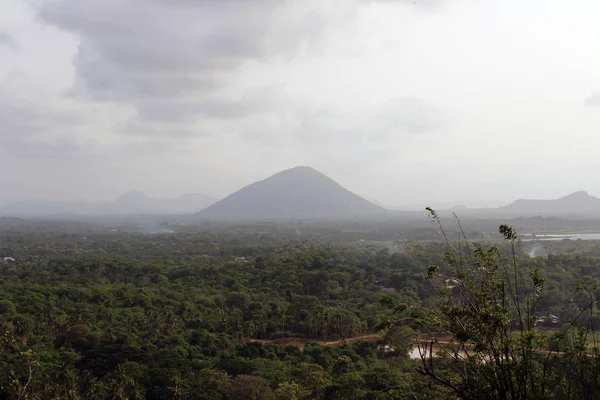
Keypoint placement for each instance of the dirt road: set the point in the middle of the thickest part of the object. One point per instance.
(301, 342)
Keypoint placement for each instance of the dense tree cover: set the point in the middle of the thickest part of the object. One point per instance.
(125, 315)
(170, 316)
(489, 309)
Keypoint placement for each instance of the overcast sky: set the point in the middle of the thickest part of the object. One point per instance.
(403, 102)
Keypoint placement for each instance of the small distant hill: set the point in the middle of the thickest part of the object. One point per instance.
(300, 192)
(138, 203)
(45, 207)
(578, 202)
(129, 203)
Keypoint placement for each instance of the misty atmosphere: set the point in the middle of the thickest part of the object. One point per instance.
(273, 200)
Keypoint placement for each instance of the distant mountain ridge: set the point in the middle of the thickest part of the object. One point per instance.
(300, 192)
(578, 202)
(130, 203)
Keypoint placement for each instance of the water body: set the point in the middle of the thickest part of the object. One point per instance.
(573, 236)
(162, 230)
(416, 354)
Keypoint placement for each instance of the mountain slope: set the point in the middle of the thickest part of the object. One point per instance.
(300, 192)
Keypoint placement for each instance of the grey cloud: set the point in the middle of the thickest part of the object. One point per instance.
(100, 83)
(423, 3)
(26, 119)
(174, 63)
(29, 129)
(190, 111)
(7, 40)
(257, 101)
(154, 129)
(34, 149)
(232, 43)
(420, 3)
(593, 100)
(321, 132)
(157, 52)
(407, 114)
(291, 123)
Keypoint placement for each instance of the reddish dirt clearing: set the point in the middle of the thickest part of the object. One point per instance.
(301, 342)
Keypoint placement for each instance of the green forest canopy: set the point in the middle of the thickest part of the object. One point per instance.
(125, 315)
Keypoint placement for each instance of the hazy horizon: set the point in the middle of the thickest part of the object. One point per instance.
(406, 206)
(171, 196)
(432, 102)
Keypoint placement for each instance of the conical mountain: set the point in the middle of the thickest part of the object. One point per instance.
(300, 192)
